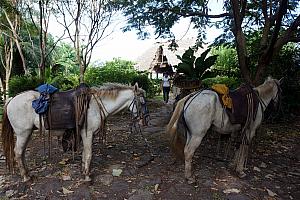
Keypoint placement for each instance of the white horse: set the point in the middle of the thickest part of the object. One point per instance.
(19, 117)
(204, 111)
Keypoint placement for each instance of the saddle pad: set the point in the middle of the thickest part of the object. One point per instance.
(223, 92)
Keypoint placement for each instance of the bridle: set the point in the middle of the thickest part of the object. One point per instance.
(141, 112)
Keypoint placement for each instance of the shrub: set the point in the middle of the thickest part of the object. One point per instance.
(147, 84)
(22, 83)
(231, 82)
(117, 71)
(64, 83)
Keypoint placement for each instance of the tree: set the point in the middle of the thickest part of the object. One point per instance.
(40, 19)
(277, 20)
(9, 36)
(86, 23)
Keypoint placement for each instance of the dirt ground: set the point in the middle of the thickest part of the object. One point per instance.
(123, 168)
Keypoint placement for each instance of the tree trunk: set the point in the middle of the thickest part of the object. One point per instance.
(77, 42)
(15, 36)
(42, 44)
(8, 66)
(266, 56)
(240, 39)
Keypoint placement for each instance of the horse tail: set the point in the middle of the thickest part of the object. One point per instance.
(177, 138)
(7, 137)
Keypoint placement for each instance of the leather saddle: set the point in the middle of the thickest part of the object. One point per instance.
(244, 105)
(63, 106)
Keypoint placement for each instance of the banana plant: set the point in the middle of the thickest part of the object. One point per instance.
(195, 68)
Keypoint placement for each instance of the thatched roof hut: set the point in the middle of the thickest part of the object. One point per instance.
(159, 58)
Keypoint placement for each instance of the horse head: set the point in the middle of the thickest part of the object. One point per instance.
(138, 106)
(275, 84)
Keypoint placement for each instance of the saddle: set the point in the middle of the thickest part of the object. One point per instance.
(244, 105)
(67, 110)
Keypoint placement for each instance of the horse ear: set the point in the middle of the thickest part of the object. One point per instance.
(281, 81)
(136, 86)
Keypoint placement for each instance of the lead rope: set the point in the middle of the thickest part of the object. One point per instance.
(135, 127)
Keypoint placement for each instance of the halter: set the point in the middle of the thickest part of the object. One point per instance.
(141, 109)
(278, 95)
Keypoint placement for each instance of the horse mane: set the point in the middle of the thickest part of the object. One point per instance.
(112, 90)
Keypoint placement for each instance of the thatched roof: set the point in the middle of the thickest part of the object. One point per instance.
(150, 59)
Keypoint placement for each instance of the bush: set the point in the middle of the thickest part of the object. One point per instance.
(231, 82)
(20, 83)
(117, 71)
(64, 83)
(96, 76)
(147, 84)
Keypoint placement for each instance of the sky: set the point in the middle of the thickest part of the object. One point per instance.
(127, 46)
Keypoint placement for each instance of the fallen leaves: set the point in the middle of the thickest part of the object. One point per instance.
(231, 190)
(271, 193)
(256, 169)
(117, 172)
(66, 191)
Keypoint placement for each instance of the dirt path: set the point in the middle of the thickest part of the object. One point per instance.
(123, 169)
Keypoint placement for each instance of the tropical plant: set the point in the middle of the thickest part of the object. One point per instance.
(195, 68)
(226, 63)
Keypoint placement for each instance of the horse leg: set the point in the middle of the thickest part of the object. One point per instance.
(20, 148)
(189, 150)
(87, 139)
(241, 155)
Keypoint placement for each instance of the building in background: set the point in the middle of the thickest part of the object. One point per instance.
(159, 58)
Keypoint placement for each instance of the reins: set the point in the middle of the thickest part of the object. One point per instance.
(135, 126)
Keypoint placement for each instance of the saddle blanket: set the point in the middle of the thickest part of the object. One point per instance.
(41, 104)
(223, 90)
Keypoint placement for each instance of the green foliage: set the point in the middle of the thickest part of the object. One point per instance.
(20, 83)
(151, 87)
(64, 58)
(287, 63)
(226, 63)
(65, 82)
(142, 80)
(194, 68)
(162, 15)
(231, 82)
(118, 71)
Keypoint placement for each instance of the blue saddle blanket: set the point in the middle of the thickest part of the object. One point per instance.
(41, 104)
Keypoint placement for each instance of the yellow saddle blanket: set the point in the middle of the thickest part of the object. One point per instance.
(223, 90)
